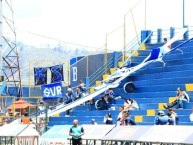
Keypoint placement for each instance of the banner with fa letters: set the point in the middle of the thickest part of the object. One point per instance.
(41, 76)
(52, 91)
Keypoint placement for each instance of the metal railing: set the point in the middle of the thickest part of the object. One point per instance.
(100, 71)
(131, 49)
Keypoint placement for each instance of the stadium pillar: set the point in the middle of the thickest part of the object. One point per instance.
(115, 59)
(87, 83)
(143, 35)
(172, 32)
(159, 35)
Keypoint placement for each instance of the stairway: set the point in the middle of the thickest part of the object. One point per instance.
(155, 85)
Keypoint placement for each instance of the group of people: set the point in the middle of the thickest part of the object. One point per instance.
(25, 119)
(123, 118)
(10, 115)
(77, 131)
(106, 99)
(170, 119)
(73, 94)
(129, 103)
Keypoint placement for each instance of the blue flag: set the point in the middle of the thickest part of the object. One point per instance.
(52, 91)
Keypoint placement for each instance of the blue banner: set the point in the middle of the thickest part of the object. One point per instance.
(56, 73)
(52, 91)
(73, 72)
(40, 76)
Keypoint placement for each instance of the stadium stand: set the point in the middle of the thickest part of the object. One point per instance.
(155, 85)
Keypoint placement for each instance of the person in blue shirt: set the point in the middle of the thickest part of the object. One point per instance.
(81, 86)
(76, 132)
(162, 119)
(109, 95)
(70, 92)
(108, 119)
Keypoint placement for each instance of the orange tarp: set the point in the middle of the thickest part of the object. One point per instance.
(20, 104)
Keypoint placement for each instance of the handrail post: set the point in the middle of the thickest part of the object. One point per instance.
(124, 37)
(105, 56)
(69, 83)
(29, 77)
(47, 119)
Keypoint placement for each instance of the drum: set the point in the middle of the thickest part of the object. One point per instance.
(129, 87)
(101, 104)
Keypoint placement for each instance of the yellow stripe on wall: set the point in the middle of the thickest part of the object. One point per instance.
(138, 118)
(151, 112)
(135, 53)
(160, 106)
(120, 63)
(112, 70)
(126, 57)
(172, 99)
(98, 83)
(56, 115)
(106, 77)
(143, 47)
(91, 90)
(189, 87)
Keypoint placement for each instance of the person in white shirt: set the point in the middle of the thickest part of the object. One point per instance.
(134, 104)
(174, 116)
(165, 41)
(130, 104)
(126, 104)
(121, 109)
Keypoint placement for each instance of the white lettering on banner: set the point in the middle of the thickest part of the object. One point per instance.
(59, 90)
(74, 74)
(53, 91)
